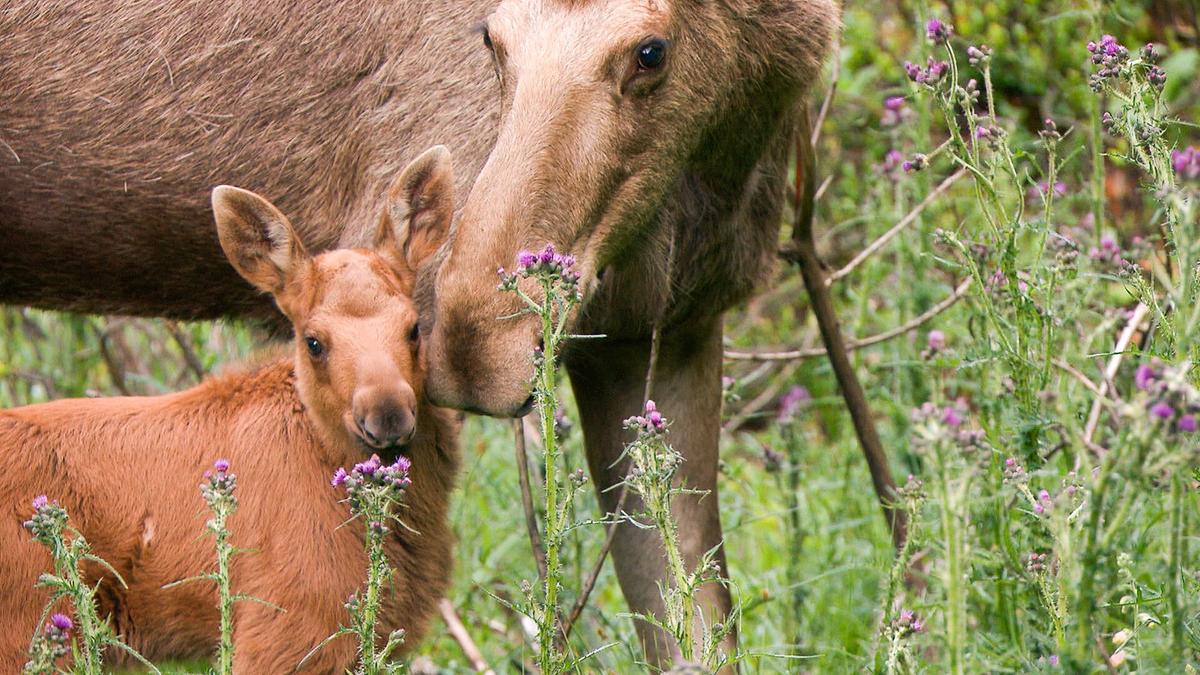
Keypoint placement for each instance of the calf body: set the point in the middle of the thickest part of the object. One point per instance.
(127, 470)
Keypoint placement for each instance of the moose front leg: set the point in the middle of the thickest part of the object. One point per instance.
(609, 379)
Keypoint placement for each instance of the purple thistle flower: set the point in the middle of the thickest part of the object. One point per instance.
(339, 477)
(221, 465)
(951, 418)
(978, 55)
(1162, 410)
(61, 622)
(527, 259)
(791, 402)
(1186, 163)
(893, 103)
(39, 502)
(547, 255)
(402, 464)
(1187, 423)
(936, 340)
(891, 161)
(1144, 377)
(938, 31)
(369, 467)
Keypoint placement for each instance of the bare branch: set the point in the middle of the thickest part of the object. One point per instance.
(908, 219)
(828, 102)
(535, 537)
(459, 631)
(853, 344)
(189, 354)
(1114, 363)
(802, 251)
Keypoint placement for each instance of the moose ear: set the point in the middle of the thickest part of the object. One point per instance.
(420, 206)
(256, 237)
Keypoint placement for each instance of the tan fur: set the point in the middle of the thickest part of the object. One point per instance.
(612, 163)
(127, 469)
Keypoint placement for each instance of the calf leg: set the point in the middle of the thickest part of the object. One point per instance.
(608, 378)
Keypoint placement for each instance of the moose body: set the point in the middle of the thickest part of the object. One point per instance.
(648, 137)
(127, 469)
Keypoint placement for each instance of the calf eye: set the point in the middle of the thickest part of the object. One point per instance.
(487, 38)
(415, 333)
(315, 348)
(651, 54)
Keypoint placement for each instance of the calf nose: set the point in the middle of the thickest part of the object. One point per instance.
(383, 420)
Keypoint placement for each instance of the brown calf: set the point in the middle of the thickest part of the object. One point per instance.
(127, 469)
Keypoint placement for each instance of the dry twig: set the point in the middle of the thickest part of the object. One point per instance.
(853, 344)
(460, 634)
(1114, 363)
(908, 219)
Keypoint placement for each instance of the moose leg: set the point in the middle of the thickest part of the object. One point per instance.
(609, 379)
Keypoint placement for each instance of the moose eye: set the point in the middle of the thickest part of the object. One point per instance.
(415, 333)
(651, 54)
(487, 38)
(315, 348)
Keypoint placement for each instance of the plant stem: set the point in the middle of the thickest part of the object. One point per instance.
(547, 400)
(224, 551)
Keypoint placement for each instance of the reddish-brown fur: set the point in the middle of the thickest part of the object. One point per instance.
(127, 469)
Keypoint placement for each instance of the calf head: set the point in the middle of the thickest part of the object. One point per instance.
(359, 365)
(609, 109)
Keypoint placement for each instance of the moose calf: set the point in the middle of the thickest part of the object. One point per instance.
(127, 469)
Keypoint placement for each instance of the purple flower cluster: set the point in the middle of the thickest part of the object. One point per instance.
(980, 55)
(938, 31)
(546, 264)
(997, 284)
(650, 423)
(1044, 189)
(1169, 397)
(218, 483)
(930, 75)
(946, 423)
(894, 111)
(47, 522)
(892, 162)
(935, 343)
(1186, 163)
(907, 622)
(1108, 253)
(53, 644)
(791, 403)
(1013, 471)
(1110, 55)
(374, 472)
(917, 163)
(1044, 502)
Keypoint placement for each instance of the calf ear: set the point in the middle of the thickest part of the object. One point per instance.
(420, 206)
(256, 237)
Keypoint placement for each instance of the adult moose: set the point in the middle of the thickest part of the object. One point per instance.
(648, 137)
